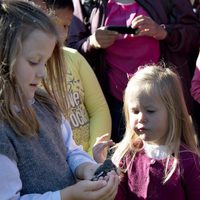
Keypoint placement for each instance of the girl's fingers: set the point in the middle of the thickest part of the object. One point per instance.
(109, 191)
(112, 187)
(95, 185)
(102, 137)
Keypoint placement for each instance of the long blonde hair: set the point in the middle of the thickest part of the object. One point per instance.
(168, 86)
(18, 19)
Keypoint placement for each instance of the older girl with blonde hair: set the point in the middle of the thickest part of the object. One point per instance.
(39, 159)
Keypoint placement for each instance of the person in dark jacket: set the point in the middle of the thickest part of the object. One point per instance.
(167, 31)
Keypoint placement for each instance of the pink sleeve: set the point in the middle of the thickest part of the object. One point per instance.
(195, 84)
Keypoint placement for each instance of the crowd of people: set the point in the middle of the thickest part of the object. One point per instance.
(167, 31)
(71, 89)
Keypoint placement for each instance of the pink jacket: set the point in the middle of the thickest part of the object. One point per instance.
(143, 180)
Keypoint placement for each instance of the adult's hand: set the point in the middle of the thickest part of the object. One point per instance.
(148, 27)
(102, 38)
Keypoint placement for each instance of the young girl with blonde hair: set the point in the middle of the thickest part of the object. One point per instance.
(158, 155)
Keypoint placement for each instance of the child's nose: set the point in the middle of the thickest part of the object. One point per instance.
(142, 117)
(41, 72)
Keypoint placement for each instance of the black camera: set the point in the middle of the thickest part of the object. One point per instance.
(123, 29)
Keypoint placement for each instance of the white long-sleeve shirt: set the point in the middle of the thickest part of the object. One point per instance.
(10, 182)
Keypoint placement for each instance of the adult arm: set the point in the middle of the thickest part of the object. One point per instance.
(78, 33)
(183, 34)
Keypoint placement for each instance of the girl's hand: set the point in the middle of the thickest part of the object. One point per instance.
(100, 148)
(86, 171)
(102, 38)
(92, 190)
(148, 27)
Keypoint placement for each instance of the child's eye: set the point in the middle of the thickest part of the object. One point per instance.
(150, 111)
(33, 63)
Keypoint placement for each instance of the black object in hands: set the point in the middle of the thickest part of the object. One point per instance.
(123, 29)
(103, 169)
